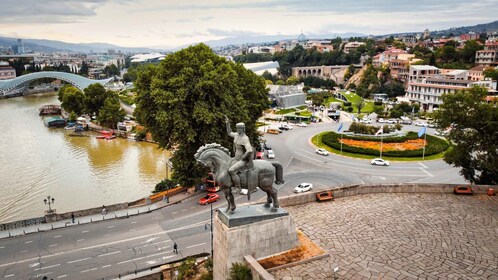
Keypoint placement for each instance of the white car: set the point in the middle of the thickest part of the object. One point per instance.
(270, 154)
(366, 121)
(303, 187)
(381, 120)
(379, 161)
(420, 124)
(322, 152)
(286, 126)
(392, 121)
(302, 124)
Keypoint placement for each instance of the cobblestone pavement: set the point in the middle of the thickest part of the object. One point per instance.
(400, 236)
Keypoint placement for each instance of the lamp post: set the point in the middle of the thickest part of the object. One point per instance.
(49, 200)
(211, 228)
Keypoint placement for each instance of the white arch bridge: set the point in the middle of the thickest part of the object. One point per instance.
(17, 85)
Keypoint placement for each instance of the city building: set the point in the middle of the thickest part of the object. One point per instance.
(427, 84)
(261, 49)
(350, 46)
(19, 47)
(477, 73)
(6, 72)
(488, 56)
(287, 96)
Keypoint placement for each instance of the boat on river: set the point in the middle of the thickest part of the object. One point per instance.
(107, 135)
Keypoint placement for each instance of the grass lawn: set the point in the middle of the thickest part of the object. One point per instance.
(317, 141)
(285, 111)
(353, 98)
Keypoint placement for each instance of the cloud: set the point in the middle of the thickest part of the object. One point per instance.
(232, 33)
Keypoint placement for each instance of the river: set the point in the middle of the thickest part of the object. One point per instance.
(79, 172)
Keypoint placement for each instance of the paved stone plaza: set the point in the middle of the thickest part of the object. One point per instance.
(401, 236)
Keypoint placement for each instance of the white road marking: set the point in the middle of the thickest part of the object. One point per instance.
(289, 162)
(426, 172)
(27, 242)
(85, 231)
(110, 226)
(184, 210)
(1, 247)
(45, 267)
(95, 268)
(57, 236)
(80, 260)
(53, 245)
(106, 244)
(136, 259)
(150, 239)
(34, 264)
(108, 254)
(23, 251)
(192, 246)
(62, 276)
(109, 234)
(423, 165)
(174, 213)
(79, 240)
(10, 275)
(132, 229)
(83, 271)
(383, 178)
(161, 242)
(134, 222)
(106, 266)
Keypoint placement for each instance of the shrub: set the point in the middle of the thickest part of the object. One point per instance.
(187, 268)
(378, 103)
(240, 271)
(346, 104)
(164, 185)
(349, 109)
(398, 126)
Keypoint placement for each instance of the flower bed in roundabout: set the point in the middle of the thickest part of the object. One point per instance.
(409, 145)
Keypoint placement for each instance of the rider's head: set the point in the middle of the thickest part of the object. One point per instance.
(241, 128)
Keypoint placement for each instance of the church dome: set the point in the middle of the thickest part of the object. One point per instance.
(301, 38)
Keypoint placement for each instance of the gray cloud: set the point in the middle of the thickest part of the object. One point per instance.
(232, 33)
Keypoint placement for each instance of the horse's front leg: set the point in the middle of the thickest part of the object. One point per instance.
(269, 199)
(228, 193)
(232, 202)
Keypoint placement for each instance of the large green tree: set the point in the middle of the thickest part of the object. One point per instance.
(111, 113)
(95, 96)
(183, 100)
(473, 134)
(72, 99)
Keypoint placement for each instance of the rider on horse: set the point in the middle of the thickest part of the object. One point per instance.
(243, 152)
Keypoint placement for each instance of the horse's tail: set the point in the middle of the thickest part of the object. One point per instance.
(279, 172)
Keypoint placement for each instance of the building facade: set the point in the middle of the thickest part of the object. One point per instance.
(335, 72)
(6, 72)
(488, 56)
(287, 96)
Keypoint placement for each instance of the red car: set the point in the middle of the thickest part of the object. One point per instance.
(209, 198)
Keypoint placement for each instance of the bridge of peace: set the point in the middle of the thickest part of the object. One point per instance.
(19, 84)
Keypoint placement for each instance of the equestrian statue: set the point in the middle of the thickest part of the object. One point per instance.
(241, 170)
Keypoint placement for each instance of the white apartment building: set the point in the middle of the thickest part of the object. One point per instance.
(427, 83)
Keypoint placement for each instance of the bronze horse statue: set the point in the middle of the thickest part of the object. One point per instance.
(262, 175)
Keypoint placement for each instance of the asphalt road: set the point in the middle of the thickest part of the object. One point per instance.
(113, 247)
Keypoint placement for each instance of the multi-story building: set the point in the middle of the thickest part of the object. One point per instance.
(488, 56)
(476, 74)
(6, 72)
(350, 46)
(287, 96)
(399, 69)
(427, 84)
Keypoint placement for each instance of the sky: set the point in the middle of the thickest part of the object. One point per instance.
(169, 24)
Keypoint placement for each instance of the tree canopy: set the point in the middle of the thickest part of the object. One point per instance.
(95, 96)
(183, 100)
(473, 124)
(72, 99)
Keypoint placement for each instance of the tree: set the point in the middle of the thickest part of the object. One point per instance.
(73, 100)
(292, 81)
(111, 70)
(95, 96)
(360, 104)
(473, 133)
(111, 113)
(183, 101)
(84, 69)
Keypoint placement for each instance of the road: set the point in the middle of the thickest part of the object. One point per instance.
(119, 246)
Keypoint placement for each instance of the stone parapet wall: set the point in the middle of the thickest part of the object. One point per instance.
(22, 223)
(257, 271)
(353, 190)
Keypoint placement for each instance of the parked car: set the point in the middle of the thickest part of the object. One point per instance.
(270, 154)
(366, 121)
(302, 124)
(392, 121)
(303, 187)
(281, 127)
(288, 126)
(432, 125)
(421, 124)
(209, 198)
(322, 152)
(259, 155)
(381, 120)
(379, 161)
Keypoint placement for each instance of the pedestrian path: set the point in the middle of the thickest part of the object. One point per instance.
(122, 213)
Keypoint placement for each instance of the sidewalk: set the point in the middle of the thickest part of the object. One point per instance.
(178, 198)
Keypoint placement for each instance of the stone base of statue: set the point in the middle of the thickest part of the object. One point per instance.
(251, 230)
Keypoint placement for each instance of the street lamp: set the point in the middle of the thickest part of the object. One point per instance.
(49, 200)
(211, 228)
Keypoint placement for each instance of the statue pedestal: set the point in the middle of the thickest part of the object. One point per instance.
(251, 230)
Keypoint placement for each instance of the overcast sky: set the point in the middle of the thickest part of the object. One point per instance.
(166, 23)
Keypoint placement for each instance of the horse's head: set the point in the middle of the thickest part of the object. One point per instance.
(213, 156)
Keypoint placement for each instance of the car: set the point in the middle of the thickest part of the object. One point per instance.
(303, 187)
(259, 155)
(392, 121)
(379, 161)
(381, 120)
(366, 121)
(288, 126)
(283, 127)
(209, 198)
(431, 125)
(270, 154)
(421, 124)
(302, 124)
(322, 152)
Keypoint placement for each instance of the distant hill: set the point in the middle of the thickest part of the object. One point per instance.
(480, 28)
(48, 46)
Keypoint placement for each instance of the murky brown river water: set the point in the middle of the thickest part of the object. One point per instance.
(79, 172)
